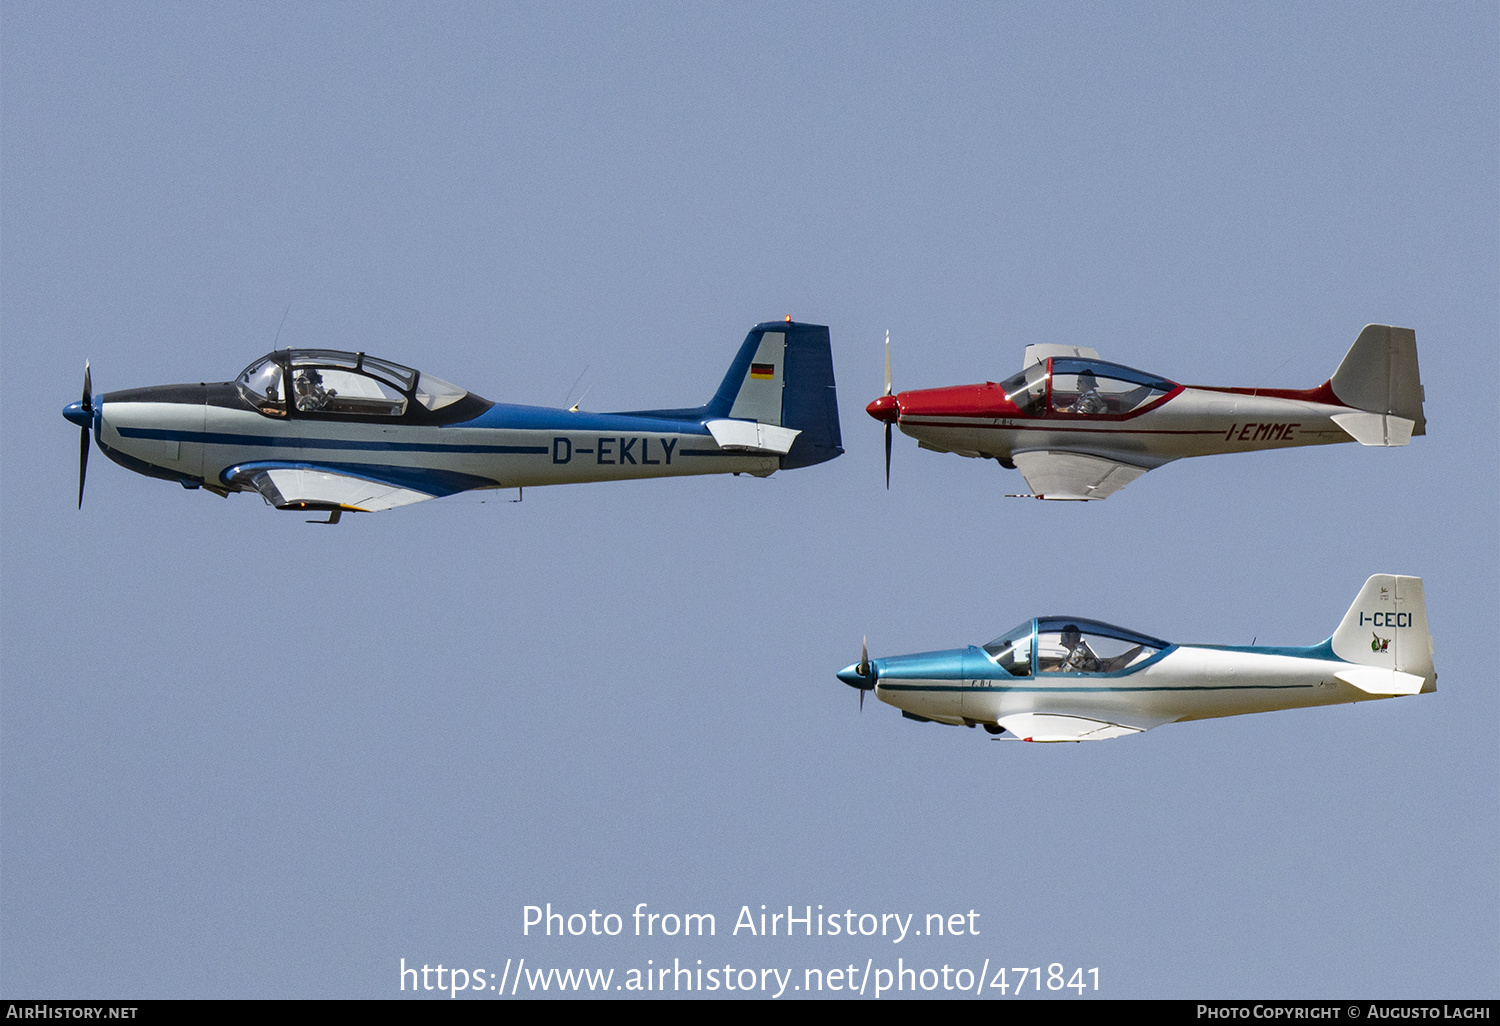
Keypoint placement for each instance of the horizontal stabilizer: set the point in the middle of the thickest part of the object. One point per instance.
(1374, 680)
(1059, 727)
(1376, 428)
(749, 436)
(1071, 475)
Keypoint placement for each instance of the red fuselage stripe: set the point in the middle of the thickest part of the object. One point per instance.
(1053, 427)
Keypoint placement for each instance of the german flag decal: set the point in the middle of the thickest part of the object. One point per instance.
(763, 371)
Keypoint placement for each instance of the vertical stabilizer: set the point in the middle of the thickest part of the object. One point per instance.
(778, 397)
(1379, 377)
(1385, 634)
(758, 396)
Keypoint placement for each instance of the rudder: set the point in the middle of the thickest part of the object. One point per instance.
(809, 400)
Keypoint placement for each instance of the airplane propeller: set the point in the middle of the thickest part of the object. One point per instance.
(887, 410)
(862, 674)
(864, 643)
(887, 429)
(82, 414)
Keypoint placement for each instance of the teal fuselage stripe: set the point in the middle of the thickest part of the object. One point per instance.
(882, 685)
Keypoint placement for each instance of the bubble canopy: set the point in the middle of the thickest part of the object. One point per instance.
(1075, 385)
(1070, 644)
(334, 382)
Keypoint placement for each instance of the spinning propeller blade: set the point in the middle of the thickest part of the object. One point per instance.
(864, 666)
(887, 410)
(87, 407)
(887, 425)
(887, 457)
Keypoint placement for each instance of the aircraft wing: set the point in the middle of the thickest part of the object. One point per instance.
(1077, 475)
(365, 489)
(1043, 726)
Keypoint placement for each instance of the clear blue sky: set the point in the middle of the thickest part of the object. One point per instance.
(241, 756)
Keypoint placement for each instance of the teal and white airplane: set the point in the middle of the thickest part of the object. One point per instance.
(1062, 678)
(339, 432)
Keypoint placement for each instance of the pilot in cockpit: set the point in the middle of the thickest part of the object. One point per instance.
(1089, 400)
(1081, 658)
(311, 395)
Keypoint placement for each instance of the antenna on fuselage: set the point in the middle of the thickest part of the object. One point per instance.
(277, 340)
(574, 407)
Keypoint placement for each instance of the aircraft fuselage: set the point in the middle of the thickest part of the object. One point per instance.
(978, 420)
(206, 435)
(1183, 682)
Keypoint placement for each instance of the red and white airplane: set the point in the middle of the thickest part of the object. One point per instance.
(1080, 428)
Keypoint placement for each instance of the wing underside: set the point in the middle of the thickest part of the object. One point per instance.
(319, 487)
(1076, 475)
(1043, 726)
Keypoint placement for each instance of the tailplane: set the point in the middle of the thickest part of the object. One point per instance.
(781, 378)
(1379, 378)
(1385, 635)
(777, 399)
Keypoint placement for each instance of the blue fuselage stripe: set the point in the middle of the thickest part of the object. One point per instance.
(277, 442)
(721, 452)
(503, 417)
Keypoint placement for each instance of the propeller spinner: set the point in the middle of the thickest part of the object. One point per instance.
(862, 674)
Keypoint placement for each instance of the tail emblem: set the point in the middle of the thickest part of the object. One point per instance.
(1379, 644)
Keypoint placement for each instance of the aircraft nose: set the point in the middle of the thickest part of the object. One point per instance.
(78, 414)
(851, 676)
(885, 409)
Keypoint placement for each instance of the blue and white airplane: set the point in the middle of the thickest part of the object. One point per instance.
(1062, 678)
(318, 429)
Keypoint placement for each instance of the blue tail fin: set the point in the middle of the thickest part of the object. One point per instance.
(809, 400)
(783, 374)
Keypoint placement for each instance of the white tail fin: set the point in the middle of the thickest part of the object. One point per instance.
(1379, 378)
(1385, 634)
(759, 395)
